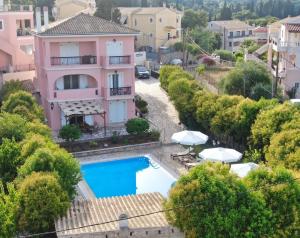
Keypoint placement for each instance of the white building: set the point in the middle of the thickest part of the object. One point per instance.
(284, 51)
(232, 32)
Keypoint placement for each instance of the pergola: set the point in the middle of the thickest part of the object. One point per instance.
(83, 108)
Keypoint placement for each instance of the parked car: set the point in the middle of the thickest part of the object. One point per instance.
(176, 62)
(141, 72)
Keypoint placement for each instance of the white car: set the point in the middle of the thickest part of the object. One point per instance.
(176, 62)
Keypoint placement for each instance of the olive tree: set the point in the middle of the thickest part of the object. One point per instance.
(10, 160)
(58, 161)
(42, 200)
(281, 192)
(211, 202)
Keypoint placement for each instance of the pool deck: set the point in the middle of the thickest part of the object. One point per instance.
(161, 155)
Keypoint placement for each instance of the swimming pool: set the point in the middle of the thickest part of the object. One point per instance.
(127, 177)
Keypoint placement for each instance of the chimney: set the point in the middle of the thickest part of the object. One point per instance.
(46, 16)
(123, 221)
(38, 20)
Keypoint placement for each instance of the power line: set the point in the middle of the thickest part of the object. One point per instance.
(141, 215)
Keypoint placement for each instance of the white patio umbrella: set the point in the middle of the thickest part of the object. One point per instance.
(221, 155)
(243, 169)
(189, 138)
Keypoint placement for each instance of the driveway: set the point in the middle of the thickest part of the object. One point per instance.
(162, 113)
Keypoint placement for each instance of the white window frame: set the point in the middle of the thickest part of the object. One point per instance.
(2, 21)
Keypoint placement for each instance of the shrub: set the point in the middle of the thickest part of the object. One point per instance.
(42, 201)
(70, 133)
(154, 135)
(24, 104)
(10, 88)
(164, 73)
(115, 137)
(225, 55)
(137, 126)
(208, 61)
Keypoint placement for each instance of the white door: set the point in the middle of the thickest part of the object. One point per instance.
(69, 50)
(114, 48)
(83, 81)
(89, 120)
(63, 119)
(117, 111)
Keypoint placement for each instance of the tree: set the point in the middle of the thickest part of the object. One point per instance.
(244, 77)
(9, 202)
(282, 147)
(106, 10)
(194, 19)
(225, 12)
(137, 126)
(10, 87)
(24, 104)
(58, 161)
(70, 133)
(36, 127)
(42, 201)
(225, 55)
(164, 73)
(281, 193)
(10, 160)
(181, 92)
(204, 203)
(12, 126)
(268, 123)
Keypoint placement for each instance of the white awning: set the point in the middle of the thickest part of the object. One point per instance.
(82, 107)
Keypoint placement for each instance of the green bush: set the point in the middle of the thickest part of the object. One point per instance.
(154, 134)
(225, 55)
(70, 133)
(137, 126)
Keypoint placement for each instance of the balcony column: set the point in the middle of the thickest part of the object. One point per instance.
(98, 56)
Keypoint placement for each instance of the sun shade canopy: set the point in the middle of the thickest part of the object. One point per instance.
(84, 107)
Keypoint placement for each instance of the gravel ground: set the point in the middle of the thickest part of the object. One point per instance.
(162, 113)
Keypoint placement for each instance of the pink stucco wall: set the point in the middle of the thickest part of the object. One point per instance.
(10, 43)
(47, 74)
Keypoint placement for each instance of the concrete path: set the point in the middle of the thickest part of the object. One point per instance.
(162, 113)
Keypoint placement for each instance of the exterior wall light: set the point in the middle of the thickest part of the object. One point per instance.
(52, 105)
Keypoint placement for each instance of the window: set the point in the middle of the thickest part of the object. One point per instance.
(151, 20)
(135, 22)
(1, 25)
(115, 80)
(297, 85)
(27, 23)
(151, 35)
(230, 44)
(177, 34)
(250, 32)
(71, 82)
(237, 43)
(231, 34)
(238, 33)
(160, 20)
(243, 33)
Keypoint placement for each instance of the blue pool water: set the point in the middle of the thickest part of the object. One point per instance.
(126, 177)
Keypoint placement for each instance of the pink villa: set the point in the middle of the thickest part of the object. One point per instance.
(85, 71)
(16, 42)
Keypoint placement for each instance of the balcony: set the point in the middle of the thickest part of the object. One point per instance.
(76, 94)
(75, 60)
(117, 61)
(23, 32)
(120, 91)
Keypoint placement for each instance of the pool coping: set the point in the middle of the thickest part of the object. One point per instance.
(87, 193)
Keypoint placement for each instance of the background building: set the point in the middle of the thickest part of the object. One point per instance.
(69, 8)
(284, 54)
(16, 42)
(159, 26)
(232, 32)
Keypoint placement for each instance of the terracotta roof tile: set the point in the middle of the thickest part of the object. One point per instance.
(293, 27)
(84, 24)
(89, 212)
